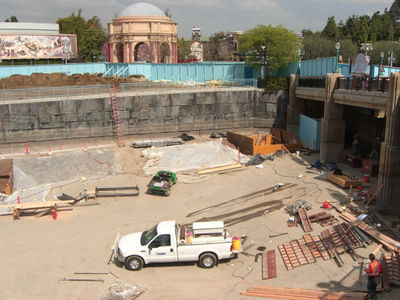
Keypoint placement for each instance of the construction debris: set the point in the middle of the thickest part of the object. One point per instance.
(300, 294)
(330, 244)
(115, 191)
(323, 218)
(157, 143)
(122, 291)
(291, 209)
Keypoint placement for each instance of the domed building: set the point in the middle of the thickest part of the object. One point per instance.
(142, 32)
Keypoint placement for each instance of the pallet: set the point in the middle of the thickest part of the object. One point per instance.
(268, 264)
(308, 240)
(343, 181)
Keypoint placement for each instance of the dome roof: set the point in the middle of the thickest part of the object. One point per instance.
(141, 9)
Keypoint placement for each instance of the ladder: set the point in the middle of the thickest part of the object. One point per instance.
(117, 120)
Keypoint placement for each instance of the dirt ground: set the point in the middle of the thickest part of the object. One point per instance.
(61, 79)
(36, 253)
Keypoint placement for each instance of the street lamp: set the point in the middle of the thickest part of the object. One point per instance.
(337, 46)
(263, 63)
(381, 69)
(390, 58)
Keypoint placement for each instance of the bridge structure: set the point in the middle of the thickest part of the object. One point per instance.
(368, 107)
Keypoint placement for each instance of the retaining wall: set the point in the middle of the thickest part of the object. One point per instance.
(176, 111)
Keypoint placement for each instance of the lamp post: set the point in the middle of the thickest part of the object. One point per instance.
(263, 63)
(337, 46)
(390, 58)
(381, 69)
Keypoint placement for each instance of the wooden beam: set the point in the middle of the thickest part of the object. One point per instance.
(219, 169)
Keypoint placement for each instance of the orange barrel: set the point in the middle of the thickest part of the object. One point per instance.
(235, 243)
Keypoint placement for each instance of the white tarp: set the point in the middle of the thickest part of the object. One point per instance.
(190, 157)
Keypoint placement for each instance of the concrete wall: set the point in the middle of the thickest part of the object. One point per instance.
(178, 111)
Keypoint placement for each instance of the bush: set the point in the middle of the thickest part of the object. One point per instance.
(277, 84)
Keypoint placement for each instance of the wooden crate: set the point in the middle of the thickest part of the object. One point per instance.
(343, 180)
(370, 167)
(352, 160)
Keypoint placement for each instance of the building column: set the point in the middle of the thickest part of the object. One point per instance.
(111, 52)
(176, 53)
(389, 164)
(332, 125)
(130, 52)
(295, 106)
(124, 52)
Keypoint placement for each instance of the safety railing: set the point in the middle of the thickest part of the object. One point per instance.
(364, 83)
(54, 92)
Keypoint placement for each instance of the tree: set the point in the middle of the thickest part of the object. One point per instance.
(212, 45)
(11, 19)
(168, 13)
(90, 35)
(317, 46)
(330, 31)
(279, 42)
(184, 51)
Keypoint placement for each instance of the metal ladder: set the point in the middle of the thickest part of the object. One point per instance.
(117, 120)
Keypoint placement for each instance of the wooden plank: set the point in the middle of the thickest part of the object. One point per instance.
(306, 251)
(385, 275)
(219, 169)
(285, 258)
(321, 248)
(311, 245)
(269, 264)
(296, 293)
(292, 256)
(304, 220)
(299, 253)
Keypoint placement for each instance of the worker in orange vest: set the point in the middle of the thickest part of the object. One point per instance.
(374, 270)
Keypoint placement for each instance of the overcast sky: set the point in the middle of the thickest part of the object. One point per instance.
(210, 15)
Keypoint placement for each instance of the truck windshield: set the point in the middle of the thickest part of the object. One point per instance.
(148, 235)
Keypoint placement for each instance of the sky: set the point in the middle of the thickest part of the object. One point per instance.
(210, 15)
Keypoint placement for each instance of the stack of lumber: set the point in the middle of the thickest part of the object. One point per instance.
(301, 294)
(220, 169)
(323, 218)
(343, 180)
(376, 234)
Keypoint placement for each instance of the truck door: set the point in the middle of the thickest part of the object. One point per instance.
(161, 250)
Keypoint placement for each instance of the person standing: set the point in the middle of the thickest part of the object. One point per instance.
(374, 270)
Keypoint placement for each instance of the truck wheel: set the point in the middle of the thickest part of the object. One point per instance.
(134, 263)
(207, 260)
(167, 192)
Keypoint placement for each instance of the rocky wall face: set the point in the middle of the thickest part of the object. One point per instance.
(218, 110)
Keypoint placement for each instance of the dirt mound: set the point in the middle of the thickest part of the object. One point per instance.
(61, 79)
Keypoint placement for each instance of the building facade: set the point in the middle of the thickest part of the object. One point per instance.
(142, 32)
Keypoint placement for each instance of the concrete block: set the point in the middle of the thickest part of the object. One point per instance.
(98, 129)
(4, 110)
(123, 115)
(51, 121)
(186, 111)
(97, 104)
(19, 109)
(203, 123)
(97, 116)
(142, 114)
(21, 122)
(263, 123)
(164, 100)
(77, 132)
(45, 108)
(172, 111)
(157, 112)
(203, 110)
(4, 123)
(70, 106)
(2, 137)
(17, 136)
(78, 125)
(171, 125)
(183, 99)
(145, 101)
(205, 98)
(226, 97)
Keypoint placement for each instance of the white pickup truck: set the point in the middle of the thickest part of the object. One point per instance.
(166, 242)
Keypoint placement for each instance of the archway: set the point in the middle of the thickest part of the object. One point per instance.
(142, 52)
(165, 53)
